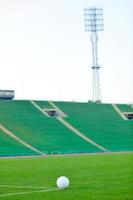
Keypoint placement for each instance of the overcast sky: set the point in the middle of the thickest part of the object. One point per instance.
(46, 54)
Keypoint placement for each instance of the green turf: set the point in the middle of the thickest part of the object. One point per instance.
(92, 177)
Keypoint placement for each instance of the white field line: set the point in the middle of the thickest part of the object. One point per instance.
(39, 108)
(28, 192)
(76, 131)
(5, 130)
(23, 186)
(119, 111)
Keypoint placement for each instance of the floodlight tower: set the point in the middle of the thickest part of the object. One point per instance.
(93, 24)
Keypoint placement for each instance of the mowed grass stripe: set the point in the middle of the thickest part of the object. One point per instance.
(97, 177)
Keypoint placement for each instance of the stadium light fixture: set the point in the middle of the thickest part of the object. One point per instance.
(94, 23)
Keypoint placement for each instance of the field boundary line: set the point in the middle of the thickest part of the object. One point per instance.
(23, 186)
(77, 132)
(119, 111)
(28, 192)
(12, 135)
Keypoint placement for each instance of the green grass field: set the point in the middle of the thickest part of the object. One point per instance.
(92, 177)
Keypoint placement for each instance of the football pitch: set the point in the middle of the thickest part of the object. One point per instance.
(92, 177)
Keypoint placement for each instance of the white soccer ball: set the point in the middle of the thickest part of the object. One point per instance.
(62, 182)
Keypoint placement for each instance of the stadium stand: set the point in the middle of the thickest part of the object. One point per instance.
(102, 123)
(125, 107)
(41, 132)
(10, 147)
(50, 135)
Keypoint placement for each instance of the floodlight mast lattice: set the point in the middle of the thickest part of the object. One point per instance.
(93, 24)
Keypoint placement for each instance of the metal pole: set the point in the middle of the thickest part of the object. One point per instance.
(94, 23)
